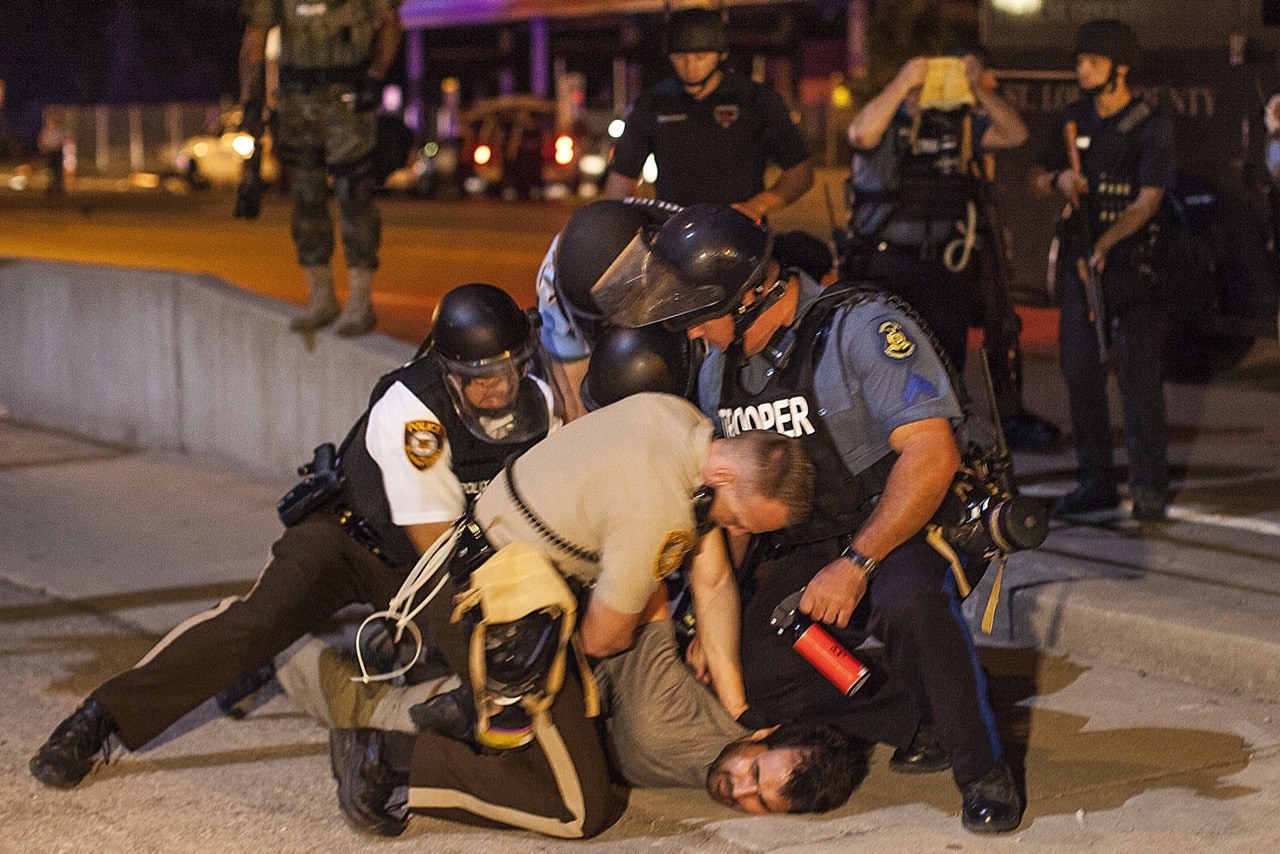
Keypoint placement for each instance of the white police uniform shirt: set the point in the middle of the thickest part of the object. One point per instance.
(408, 442)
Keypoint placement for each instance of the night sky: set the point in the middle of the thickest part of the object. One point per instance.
(114, 51)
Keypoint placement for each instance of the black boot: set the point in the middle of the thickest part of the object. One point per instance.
(1026, 431)
(992, 803)
(1086, 498)
(367, 780)
(236, 699)
(924, 756)
(69, 754)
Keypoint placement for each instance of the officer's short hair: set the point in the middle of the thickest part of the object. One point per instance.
(777, 467)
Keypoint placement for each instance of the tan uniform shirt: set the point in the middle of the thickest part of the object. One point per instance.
(618, 482)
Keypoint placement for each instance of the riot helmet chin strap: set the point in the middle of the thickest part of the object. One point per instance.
(766, 296)
(1106, 85)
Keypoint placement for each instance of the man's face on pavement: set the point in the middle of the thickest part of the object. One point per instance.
(749, 776)
(694, 68)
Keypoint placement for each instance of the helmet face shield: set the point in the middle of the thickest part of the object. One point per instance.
(640, 288)
(497, 400)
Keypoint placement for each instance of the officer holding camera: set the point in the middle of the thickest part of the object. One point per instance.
(437, 429)
(333, 57)
(924, 224)
(857, 380)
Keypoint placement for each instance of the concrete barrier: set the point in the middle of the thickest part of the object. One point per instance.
(177, 361)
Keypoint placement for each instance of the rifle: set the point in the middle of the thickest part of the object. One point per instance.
(1079, 219)
(249, 192)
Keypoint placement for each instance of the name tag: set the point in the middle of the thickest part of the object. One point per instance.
(311, 10)
(673, 117)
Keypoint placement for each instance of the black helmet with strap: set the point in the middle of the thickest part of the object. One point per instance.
(695, 31)
(699, 265)
(630, 361)
(1108, 37)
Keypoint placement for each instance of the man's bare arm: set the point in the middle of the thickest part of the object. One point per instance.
(927, 462)
(715, 601)
(253, 53)
(791, 185)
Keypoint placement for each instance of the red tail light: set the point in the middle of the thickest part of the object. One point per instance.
(482, 155)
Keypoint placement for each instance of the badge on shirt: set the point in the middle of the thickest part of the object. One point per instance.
(423, 443)
(725, 114)
(675, 547)
(1083, 142)
(311, 10)
(896, 343)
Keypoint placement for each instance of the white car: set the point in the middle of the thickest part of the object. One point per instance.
(217, 158)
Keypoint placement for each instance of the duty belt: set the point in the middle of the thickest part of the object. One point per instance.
(295, 79)
(359, 530)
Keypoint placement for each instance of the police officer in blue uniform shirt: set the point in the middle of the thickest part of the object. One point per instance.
(857, 380)
(711, 132)
(436, 431)
(1114, 182)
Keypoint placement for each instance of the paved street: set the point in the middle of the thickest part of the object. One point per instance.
(1148, 720)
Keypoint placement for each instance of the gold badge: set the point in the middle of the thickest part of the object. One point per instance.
(896, 343)
(423, 443)
(674, 549)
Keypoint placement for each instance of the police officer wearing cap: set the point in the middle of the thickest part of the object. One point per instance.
(436, 430)
(923, 222)
(1111, 160)
(333, 57)
(855, 377)
(711, 132)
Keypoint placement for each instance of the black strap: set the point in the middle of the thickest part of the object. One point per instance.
(540, 526)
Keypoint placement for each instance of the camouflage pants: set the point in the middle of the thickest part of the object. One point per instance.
(321, 134)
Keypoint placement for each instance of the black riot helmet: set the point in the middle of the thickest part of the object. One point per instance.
(590, 240)
(697, 266)
(695, 31)
(630, 361)
(1108, 37)
(483, 343)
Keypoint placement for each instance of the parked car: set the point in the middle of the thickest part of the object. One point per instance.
(217, 158)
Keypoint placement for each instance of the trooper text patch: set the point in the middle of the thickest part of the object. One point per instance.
(423, 443)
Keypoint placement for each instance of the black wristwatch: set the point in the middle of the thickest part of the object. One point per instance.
(868, 565)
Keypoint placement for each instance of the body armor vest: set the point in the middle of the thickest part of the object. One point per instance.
(842, 499)
(474, 462)
(325, 33)
(1110, 165)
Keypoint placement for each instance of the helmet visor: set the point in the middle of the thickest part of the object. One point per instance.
(640, 288)
(499, 404)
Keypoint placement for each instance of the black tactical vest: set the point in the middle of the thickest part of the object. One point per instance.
(842, 499)
(474, 461)
(935, 156)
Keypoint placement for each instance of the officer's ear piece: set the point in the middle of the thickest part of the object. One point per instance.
(703, 498)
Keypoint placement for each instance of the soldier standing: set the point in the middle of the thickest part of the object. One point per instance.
(333, 57)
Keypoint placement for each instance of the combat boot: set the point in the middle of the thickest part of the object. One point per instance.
(69, 754)
(322, 305)
(357, 317)
(367, 779)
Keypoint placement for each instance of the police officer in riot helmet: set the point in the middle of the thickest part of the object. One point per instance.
(711, 132)
(924, 224)
(1111, 160)
(853, 374)
(571, 321)
(630, 361)
(484, 343)
(436, 431)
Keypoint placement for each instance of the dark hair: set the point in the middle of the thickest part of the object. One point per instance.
(831, 765)
(801, 249)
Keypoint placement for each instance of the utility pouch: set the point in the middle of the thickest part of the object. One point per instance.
(321, 483)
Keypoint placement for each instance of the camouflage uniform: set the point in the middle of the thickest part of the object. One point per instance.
(323, 128)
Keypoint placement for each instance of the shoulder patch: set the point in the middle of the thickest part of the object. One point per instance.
(897, 345)
(423, 443)
(674, 549)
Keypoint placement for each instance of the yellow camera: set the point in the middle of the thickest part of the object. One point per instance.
(945, 85)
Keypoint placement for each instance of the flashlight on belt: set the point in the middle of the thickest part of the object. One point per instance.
(817, 647)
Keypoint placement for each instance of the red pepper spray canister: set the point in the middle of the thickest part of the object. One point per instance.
(817, 647)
